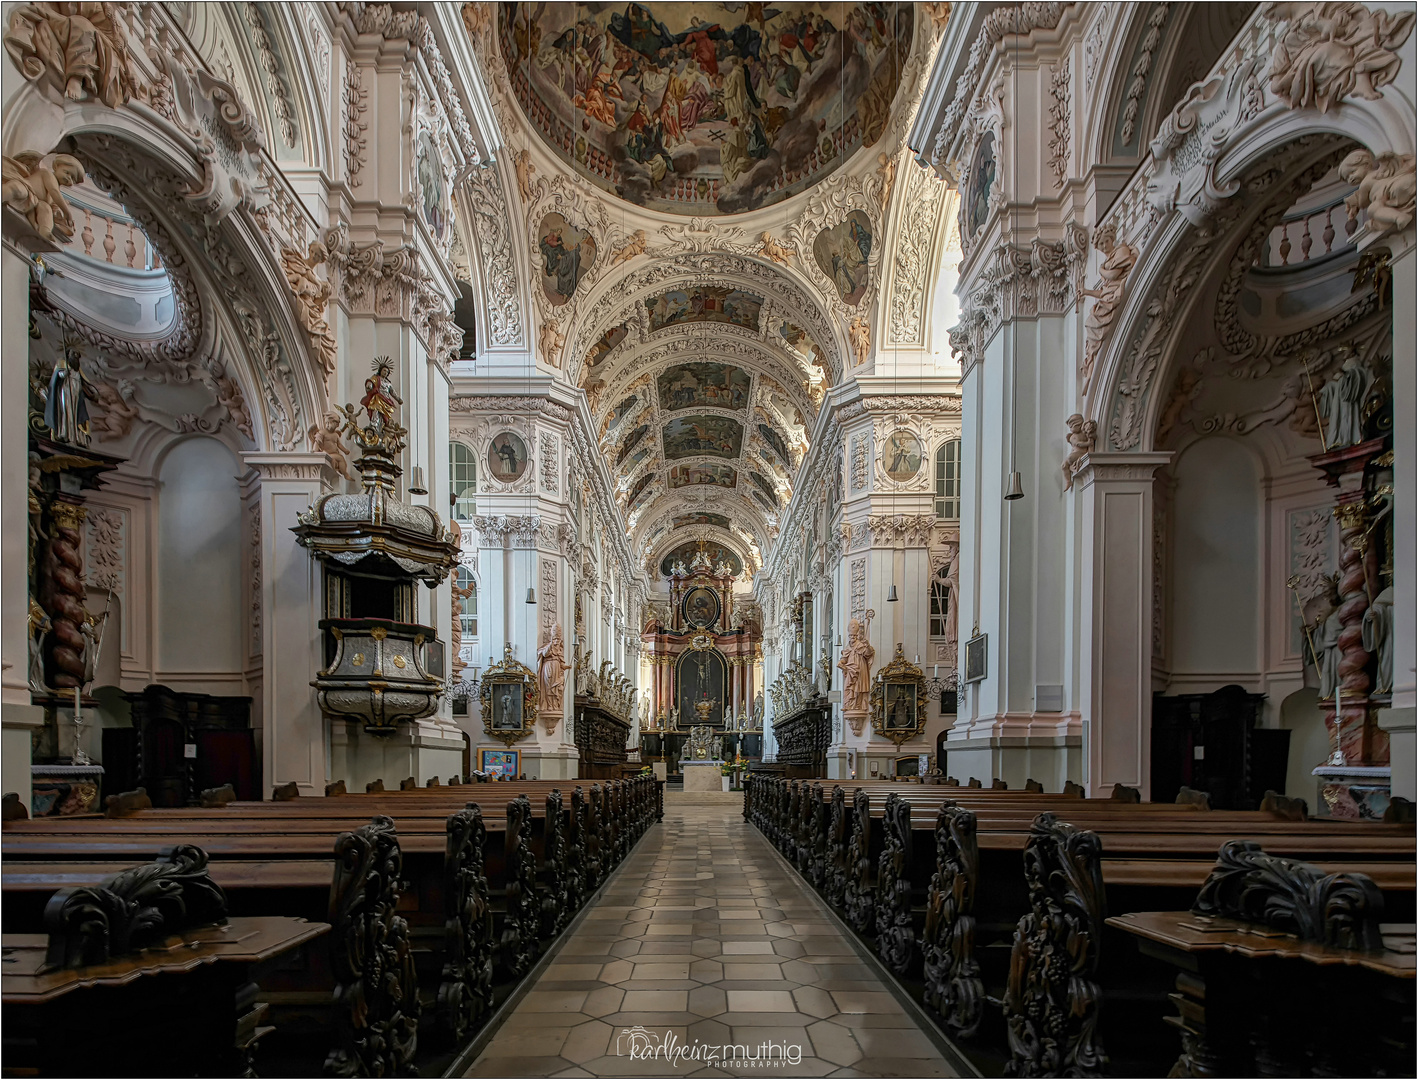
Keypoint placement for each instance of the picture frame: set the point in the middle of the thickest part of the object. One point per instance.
(508, 695)
(433, 659)
(976, 658)
(504, 764)
(898, 698)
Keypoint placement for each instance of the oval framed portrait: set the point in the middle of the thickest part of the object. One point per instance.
(901, 455)
(507, 457)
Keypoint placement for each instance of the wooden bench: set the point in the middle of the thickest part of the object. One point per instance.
(479, 887)
(937, 877)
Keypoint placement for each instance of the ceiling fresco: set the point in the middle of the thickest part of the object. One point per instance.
(707, 303)
(689, 386)
(693, 436)
(703, 473)
(700, 109)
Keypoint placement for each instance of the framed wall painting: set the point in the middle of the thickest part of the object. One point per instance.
(976, 658)
(898, 697)
(508, 695)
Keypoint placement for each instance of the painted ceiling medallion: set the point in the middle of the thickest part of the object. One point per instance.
(567, 255)
(696, 108)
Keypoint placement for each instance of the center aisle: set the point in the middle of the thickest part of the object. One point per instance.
(705, 949)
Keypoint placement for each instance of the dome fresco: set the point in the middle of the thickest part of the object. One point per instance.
(694, 108)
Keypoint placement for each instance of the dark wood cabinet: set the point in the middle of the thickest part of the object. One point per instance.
(153, 753)
(1211, 743)
(601, 740)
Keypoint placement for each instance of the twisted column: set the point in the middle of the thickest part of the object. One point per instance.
(61, 593)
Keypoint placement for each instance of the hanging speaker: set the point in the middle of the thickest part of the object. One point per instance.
(531, 595)
(1016, 486)
(891, 597)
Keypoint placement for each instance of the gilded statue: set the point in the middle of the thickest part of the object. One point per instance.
(33, 190)
(855, 664)
(551, 677)
(82, 47)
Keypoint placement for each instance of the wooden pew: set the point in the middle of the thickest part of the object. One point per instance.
(927, 874)
(475, 903)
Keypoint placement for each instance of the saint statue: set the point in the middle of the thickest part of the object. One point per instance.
(65, 412)
(1378, 639)
(855, 663)
(380, 397)
(551, 672)
(1342, 404)
(1329, 654)
(39, 627)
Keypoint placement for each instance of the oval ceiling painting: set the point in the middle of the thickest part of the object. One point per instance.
(697, 108)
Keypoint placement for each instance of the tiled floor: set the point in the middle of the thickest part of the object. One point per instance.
(705, 948)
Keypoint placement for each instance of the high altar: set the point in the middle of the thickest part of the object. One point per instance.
(703, 659)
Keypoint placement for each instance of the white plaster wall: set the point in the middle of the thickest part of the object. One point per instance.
(1309, 744)
(201, 643)
(1215, 567)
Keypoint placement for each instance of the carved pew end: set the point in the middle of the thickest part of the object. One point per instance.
(11, 809)
(1399, 812)
(1285, 807)
(285, 792)
(1073, 790)
(337, 788)
(1191, 797)
(374, 786)
(432, 782)
(1123, 793)
(1034, 787)
(127, 802)
(408, 784)
(974, 782)
(951, 781)
(214, 797)
(453, 781)
(998, 785)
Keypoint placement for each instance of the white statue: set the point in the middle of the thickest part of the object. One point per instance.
(82, 47)
(1329, 654)
(39, 627)
(1108, 296)
(1378, 638)
(1387, 191)
(33, 190)
(327, 439)
(1342, 404)
(1082, 434)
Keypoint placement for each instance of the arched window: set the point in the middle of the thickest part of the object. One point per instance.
(463, 480)
(940, 603)
(947, 481)
(467, 582)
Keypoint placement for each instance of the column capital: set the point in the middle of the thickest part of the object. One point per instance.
(299, 467)
(1124, 467)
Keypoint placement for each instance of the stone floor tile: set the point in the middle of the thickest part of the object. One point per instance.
(518, 1065)
(736, 948)
(763, 1001)
(553, 1001)
(865, 1001)
(708, 1001)
(586, 1041)
(706, 936)
(834, 1043)
(599, 1002)
(815, 1001)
